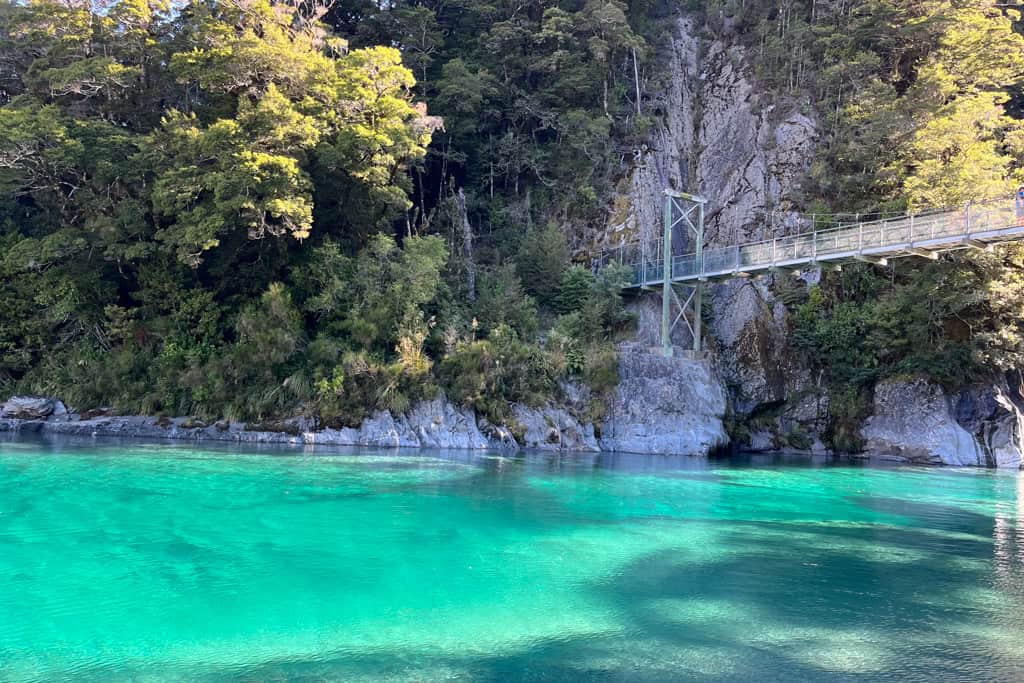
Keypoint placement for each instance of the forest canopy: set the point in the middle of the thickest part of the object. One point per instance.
(207, 210)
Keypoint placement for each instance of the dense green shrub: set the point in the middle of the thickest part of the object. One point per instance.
(489, 375)
(575, 288)
(502, 300)
(542, 258)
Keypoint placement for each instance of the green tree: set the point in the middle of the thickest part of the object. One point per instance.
(503, 300)
(542, 258)
(574, 289)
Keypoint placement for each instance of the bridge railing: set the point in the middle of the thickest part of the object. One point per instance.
(646, 265)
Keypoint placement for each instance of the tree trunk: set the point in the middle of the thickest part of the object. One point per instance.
(636, 80)
(467, 244)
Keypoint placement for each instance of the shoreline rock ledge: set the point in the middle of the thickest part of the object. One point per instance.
(916, 421)
(671, 406)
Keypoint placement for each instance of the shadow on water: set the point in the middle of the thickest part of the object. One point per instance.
(931, 515)
(775, 601)
(905, 619)
(781, 602)
(892, 589)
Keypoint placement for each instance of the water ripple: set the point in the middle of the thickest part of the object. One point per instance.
(175, 564)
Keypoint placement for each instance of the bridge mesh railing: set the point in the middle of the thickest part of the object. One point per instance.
(922, 228)
(645, 264)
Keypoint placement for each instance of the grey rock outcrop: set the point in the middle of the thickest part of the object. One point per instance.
(993, 414)
(665, 405)
(437, 423)
(753, 154)
(916, 421)
(32, 408)
(441, 424)
(749, 329)
(553, 428)
(913, 421)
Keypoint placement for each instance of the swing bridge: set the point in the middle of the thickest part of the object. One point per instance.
(653, 265)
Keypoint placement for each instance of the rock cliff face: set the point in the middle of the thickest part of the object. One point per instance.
(994, 415)
(913, 421)
(917, 421)
(665, 405)
(721, 136)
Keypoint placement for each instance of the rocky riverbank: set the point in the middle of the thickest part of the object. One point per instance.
(662, 405)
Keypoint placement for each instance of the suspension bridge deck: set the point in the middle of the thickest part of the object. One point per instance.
(977, 226)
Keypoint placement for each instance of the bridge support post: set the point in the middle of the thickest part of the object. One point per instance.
(698, 294)
(666, 288)
(690, 209)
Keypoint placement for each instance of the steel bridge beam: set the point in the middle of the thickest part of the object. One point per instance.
(924, 253)
(976, 244)
(876, 260)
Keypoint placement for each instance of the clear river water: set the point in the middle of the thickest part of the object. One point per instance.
(152, 562)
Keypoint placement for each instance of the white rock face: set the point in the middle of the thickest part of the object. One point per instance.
(753, 155)
(441, 424)
(718, 135)
(917, 421)
(752, 152)
(993, 414)
(913, 420)
(1003, 441)
(431, 424)
(665, 405)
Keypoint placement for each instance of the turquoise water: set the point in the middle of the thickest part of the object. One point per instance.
(173, 563)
